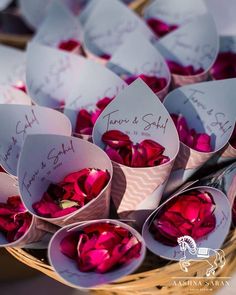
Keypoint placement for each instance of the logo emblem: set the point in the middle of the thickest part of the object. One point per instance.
(187, 243)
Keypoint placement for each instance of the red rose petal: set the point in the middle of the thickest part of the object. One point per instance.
(178, 69)
(159, 27)
(103, 103)
(69, 45)
(84, 123)
(68, 245)
(95, 182)
(116, 139)
(114, 155)
(92, 259)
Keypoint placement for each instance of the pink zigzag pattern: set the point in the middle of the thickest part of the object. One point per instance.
(189, 158)
(130, 186)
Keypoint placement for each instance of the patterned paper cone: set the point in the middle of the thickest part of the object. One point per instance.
(174, 12)
(106, 84)
(138, 56)
(212, 240)
(11, 95)
(67, 269)
(12, 66)
(224, 180)
(137, 112)
(48, 159)
(194, 44)
(108, 23)
(51, 76)
(9, 188)
(59, 25)
(20, 120)
(205, 111)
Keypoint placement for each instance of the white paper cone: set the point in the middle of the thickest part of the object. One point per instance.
(67, 269)
(48, 159)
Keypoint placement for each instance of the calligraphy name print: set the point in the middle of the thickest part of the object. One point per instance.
(53, 160)
(9, 150)
(216, 119)
(53, 81)
(199, 55)
(148, 121)
(114, 35)
(22, 126)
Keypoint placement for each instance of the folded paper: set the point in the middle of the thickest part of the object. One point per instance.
(8, 188)
(204, 110)
(212, 240)
(12, 95)
(58, 26)
(138, 56)
(194, 44)
(20, 120)
(108, 24)
(137, 112)
(12, 66)
(67, 269)
(47, 159)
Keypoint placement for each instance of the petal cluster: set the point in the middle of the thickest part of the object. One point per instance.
(224, 66)
(178, 69)
(198, 141)
(73, 192)
(121, 149)
(191, 213)
(155, 83)
(159, 27)
(101, 247)
(86, 120)
(14, 219)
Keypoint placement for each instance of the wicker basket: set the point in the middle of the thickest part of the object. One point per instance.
(155, 276)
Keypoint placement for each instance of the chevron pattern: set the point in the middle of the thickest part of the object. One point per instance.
(189, 158)
(130, 186)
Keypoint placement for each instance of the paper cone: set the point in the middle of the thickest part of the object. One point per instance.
(67, 269)
(51, 74)
(224, 16)
(34, 12)
(196, 44)
(213, 240)
(224, 180)
(107, 25)
(137, 112)
(11, 95)
(174, 12)
(137, 56)
(83, 96)
(8, 188)
(12, 66)
(59, 25)
(20, 120)
(205, 111)
(48, 159)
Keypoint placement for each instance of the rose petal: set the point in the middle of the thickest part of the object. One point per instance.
(95, 182)
(63, 212)
(138, 158)
(69, 45)
(92, 259)
(46, 207)
(103, 103)
(152, 148)
(159, 27)
(84, 123)
(68, 245)
(114, 155)
(203, 143)
(116, 139)
(224, 66)
(178, 69)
